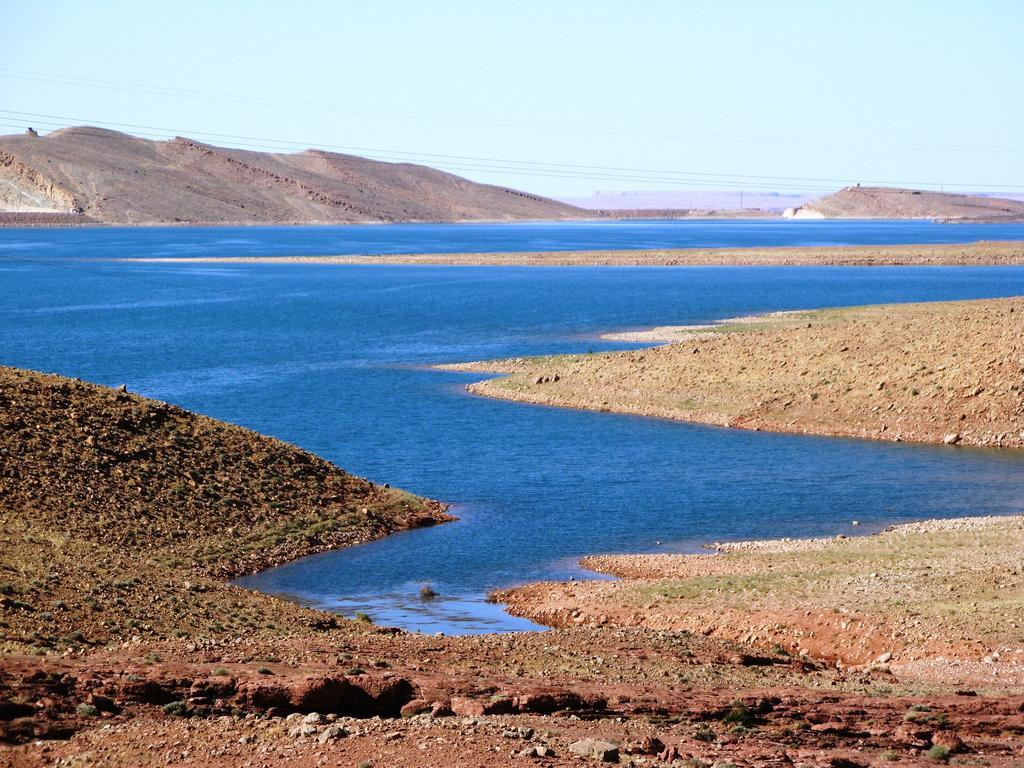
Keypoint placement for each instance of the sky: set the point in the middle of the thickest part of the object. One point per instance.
(561, 98)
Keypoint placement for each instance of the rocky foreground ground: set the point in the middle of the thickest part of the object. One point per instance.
(937, 600)
(949, 372)
(123, 644)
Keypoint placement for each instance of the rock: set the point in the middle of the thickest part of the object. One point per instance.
(537, 751)
(332, 733)
(440, 709)
(245, 738)
(648, 745)
(10, 710)
(548, 701)
(103, 703)
(845, 762)
(596, 749)
(320, 694)
(387, 693)
(260, 694)
(950, 741)
(414, 707)
(912, 734)
(147, 692)
(466, 707)
(313, 718)
(669, 755)
(951, 438)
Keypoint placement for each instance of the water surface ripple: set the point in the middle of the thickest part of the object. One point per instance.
(336, 359)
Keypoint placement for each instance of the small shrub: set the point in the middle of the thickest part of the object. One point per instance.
(363, 617)
(176, 709)
(939, 753)
(739, 714)
(220, 672)
(889, 755)
(87, 710)
(265, 671)
(704, 733)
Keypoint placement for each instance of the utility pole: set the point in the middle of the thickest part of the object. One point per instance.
(741, 199)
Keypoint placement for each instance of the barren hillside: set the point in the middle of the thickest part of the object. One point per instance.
(106, 494)
(891, 203)
(120, 179)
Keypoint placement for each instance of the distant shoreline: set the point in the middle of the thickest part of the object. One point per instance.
(63, 220)
(979, 253)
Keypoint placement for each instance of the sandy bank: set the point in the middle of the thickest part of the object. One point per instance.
(945, 372)
(976, 254)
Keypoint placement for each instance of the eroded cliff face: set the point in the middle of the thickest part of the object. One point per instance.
(23, 189)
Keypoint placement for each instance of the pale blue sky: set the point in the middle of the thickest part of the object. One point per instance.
(922, 92)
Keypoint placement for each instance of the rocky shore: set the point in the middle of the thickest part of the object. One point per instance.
(124, 516)
(930, 601)
(122, 644)
(947, 373)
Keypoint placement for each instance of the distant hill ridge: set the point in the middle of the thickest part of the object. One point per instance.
(115, 178)
(895, 203)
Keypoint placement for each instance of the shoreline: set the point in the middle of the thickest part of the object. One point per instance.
(977, 253)
(63, 220)
(907, 379)
(196, 663)
(788, 586)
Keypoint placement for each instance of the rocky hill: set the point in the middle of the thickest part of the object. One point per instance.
(116, 178)
(892, 203)
(121, 515)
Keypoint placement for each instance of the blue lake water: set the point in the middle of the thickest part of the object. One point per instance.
(182, 242)
(335, 359)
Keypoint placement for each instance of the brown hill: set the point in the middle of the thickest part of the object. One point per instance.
(120, 179)
(121, 515)
(893, 203)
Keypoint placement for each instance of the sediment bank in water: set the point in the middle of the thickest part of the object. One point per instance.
(981, 253)
(942, 372)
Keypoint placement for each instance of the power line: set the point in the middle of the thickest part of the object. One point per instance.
(83, 82)
(520, 167)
